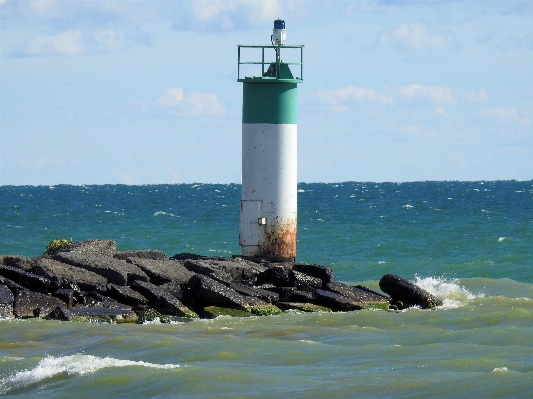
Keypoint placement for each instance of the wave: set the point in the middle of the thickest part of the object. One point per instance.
(449, 291)
(71, 365)
(161, 213)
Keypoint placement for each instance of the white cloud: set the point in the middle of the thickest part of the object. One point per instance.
(171, 96)
(436, 94)
(199, 103)
(505, 114)
(230, 14)
(416, 37)
(108, 38)
(439, 111)
(348, 93)
(66, 43)
(479, 97)
(204, 104)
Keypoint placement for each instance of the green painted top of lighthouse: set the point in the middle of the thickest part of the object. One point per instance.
(270, 68)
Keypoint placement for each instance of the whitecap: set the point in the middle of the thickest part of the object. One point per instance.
(71, 365)
(499, 369)
(502, 239)
(161, 213)
(449, 291)
(408, 206)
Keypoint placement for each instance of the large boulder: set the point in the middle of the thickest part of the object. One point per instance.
(113, 270)
(304, 282)
(92, 247)
(6, 302)
(228, 270)
(66, 274)
(34, 304)
(107, 313)
(162, 300)
(18, 261)
(359, 294)
(276, 275)
(324, 273)
(264, 295)
(213, 293)
(31, 281)
(143, 254)
(163, 271)
(408, 293)
(336, 302)
(126, 295)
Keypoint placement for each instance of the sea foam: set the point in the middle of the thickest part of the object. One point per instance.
(449, 291)
(71, 365)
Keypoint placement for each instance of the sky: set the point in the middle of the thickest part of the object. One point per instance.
(146, 92)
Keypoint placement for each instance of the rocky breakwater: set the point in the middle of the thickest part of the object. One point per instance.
(92, 281)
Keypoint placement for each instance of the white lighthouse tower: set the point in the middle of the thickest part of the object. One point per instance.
(268, 219)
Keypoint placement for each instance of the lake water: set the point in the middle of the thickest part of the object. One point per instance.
(469, 243)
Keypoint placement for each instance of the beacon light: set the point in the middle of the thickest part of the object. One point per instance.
(278, 33)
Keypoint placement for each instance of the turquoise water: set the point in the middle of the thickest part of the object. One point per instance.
(470, 243)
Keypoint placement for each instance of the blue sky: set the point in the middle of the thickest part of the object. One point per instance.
(145, 92)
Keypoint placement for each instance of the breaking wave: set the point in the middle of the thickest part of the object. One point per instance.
(449, 291)
(70, 365)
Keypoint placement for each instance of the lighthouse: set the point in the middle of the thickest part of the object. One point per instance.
(268, 215)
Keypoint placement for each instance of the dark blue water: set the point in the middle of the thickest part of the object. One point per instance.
(363, 230)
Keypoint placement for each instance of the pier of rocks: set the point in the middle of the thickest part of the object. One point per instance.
(92, 281)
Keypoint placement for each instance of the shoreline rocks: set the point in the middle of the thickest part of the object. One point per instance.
(91, 281)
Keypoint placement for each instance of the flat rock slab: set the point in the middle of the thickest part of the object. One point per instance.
(302, 307)
(113, 270)
(336, 301)
(14, 287)
(32, 281)
(92, 247)
(6, 302)
(163, 271)
(95, 314)
(18, 261)
(143, 254)
(404, 291)
(162, 301)
(278, 276)
(214, 293)
(304, 282)
(362, 295)
(67, 274)
(126, 295)
(324, 273)
(237, 270)
(265, 295)
(33, 304)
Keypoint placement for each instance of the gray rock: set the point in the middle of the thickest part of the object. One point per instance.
(33, 304)
(113, 270)
(303, 282)
(68, 295)
(126, 295)
(276, 275)
(143, 254)
(302, 307)
(404, 291)
(188, 256)
(114, 314)
(303, 296)
(227, 270)
(163, 271)
(283, 292)
(213, 293)
(66, 274)
(92, 247)
(18, 261)
(14, 287)
(31, 281)
(324, 273)
(264, 295)
(162, 301)
(6, 302)
(362, 295)
(336, 301)
(182, 292)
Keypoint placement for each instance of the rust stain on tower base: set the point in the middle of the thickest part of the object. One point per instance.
(281, 242)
